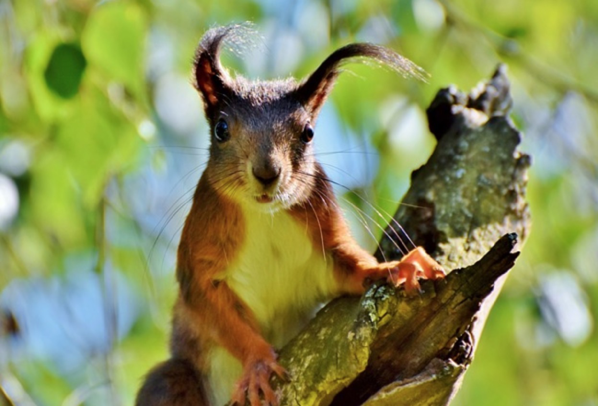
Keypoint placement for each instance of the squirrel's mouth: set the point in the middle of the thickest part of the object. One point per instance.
(264, 198)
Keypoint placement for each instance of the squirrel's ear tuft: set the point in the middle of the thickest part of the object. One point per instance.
(313, 91)
(211, 79)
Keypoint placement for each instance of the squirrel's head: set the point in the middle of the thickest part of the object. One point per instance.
(261, 150)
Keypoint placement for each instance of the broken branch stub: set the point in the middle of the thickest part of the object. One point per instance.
(467, 202)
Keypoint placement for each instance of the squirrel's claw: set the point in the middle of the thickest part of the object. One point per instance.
(416, 264)
(256, 380)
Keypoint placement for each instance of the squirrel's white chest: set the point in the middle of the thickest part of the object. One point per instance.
(282, 277)
(279, 273)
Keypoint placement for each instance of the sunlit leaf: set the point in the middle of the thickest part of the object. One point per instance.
(54, 201)
(97, 141)
(48, 105)
(114, 40)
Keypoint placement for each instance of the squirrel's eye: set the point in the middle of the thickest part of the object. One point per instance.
(221, 131)
(308, 134)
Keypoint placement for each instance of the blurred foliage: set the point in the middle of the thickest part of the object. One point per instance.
(102, 139)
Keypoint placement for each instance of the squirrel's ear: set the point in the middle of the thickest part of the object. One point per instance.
(313, 91)
(211, 79)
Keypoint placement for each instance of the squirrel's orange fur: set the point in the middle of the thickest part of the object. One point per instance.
(265, 241)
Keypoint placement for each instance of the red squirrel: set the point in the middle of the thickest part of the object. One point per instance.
(265, 241)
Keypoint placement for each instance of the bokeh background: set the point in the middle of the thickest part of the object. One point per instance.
(102, 140)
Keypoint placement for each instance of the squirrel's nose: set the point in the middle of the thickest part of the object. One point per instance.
(266, 174)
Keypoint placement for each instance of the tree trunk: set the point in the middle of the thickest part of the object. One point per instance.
(467, 202)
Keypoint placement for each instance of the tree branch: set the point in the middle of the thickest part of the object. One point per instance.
(466, 202)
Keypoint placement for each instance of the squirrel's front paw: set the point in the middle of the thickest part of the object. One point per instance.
(416, 264)
(256, 379)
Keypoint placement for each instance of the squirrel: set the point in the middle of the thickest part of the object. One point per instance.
(265, 241)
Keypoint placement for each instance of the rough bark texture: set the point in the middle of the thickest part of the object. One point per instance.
(467, 207)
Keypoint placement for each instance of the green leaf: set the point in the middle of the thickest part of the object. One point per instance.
(65, 70)
(54, 201)
(114, 41)
(48, 105)
(98, 141)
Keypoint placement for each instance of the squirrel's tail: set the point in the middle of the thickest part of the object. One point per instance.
(174, 383)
